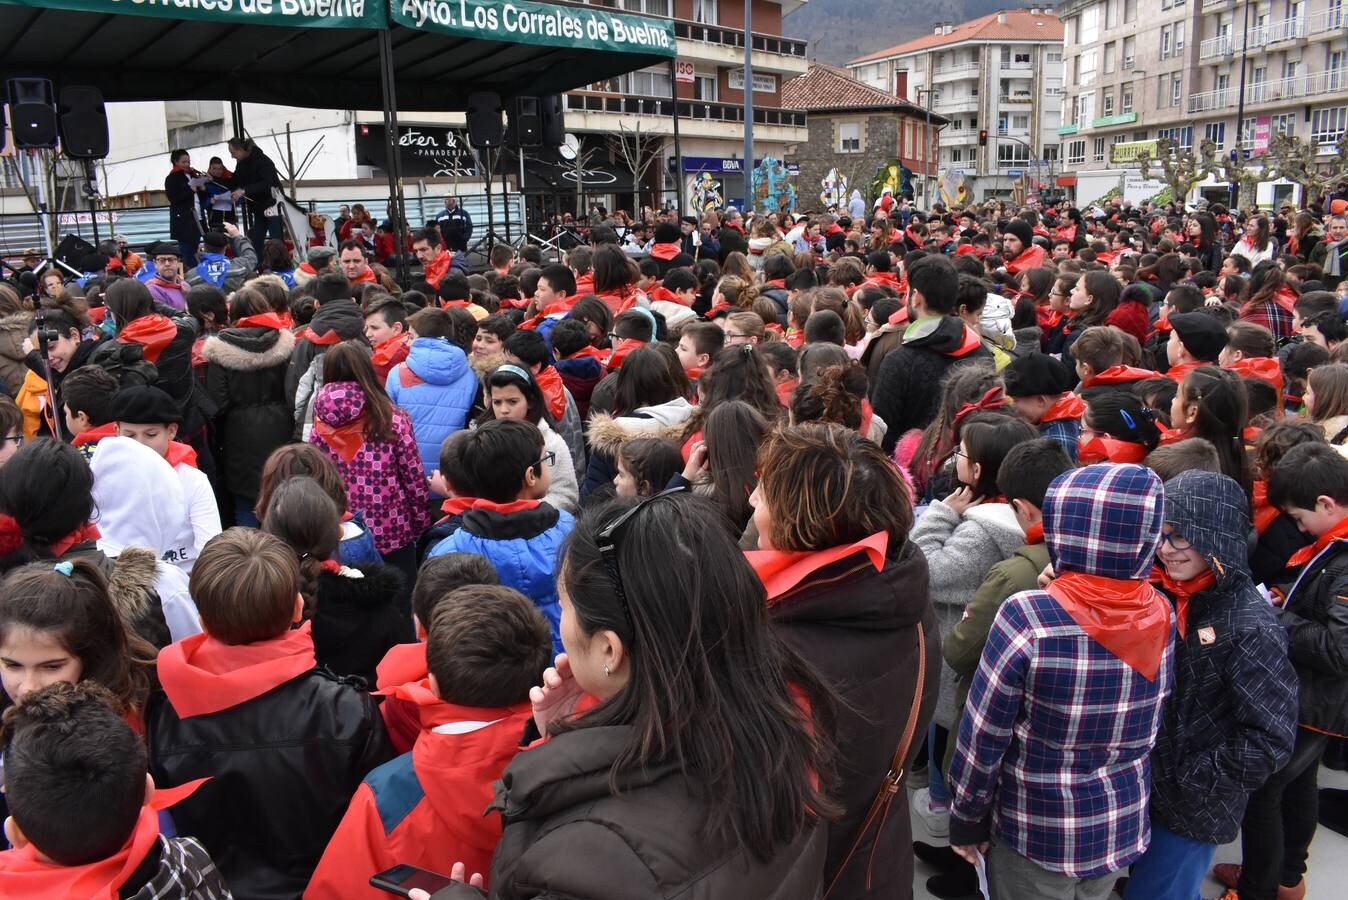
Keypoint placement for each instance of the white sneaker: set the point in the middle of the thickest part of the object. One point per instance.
(935, 816)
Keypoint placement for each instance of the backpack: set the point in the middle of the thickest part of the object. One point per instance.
(127, 363)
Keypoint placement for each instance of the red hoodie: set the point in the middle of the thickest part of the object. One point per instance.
(425, 808)
(201, 675)
(389, 354)
(549, 381)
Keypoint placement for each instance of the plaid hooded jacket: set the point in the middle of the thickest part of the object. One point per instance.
(1053, 748)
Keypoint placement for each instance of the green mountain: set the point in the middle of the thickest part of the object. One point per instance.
(841, 30)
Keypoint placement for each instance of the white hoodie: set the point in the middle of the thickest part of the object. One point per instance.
(140, 503)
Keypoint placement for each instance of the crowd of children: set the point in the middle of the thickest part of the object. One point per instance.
(685, 569)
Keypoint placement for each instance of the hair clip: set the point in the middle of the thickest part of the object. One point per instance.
(65, 568)
(1127, 419)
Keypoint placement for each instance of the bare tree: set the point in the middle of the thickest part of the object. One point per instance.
(638, 152)
(1297, 161)
(579, 163)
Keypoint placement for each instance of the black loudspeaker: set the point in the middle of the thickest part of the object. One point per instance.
(73, 249)
(484, 120)
(554, 129)
(526, 124)
(32, 107)
(84, 123)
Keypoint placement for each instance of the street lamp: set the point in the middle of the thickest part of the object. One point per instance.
(748, 105)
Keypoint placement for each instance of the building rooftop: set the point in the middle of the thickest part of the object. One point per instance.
(824, 88)
(1004, 25)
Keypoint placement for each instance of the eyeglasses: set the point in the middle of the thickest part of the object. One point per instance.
(608, 539)
(550, 458)
(16, 438)
(1176, 542)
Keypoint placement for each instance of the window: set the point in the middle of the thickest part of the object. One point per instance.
(1109, 57)
(1012, 155)
(704, 11)
(1179, 37)
(1107, 103)
(1098, 150)
(1085, 109)
(1129, 11)
(1118, 138)
(957, 125)
(704, 87)
(1327, 126)
(1086, 68)
(1076, 153)
(1050, 154)
(1167, 38)
(1247, 132)
(1296, 10)
(1166, 4)
(1336, 71)
(1140, 135)
(1020, 122)
(1129, 52)
(1054, 56)
(1001, 124)
(1291, 69)
(1284, 123)
(645, 84)
(1176, 89)
(1126, 100)
(653, 7)
(957, 155)
(1215, 132)
(849, 137)
(1112, 13)
(1089, 26)
(973, 156)
(1021, 59)
(1183, 137)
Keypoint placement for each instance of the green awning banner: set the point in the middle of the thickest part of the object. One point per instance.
(292, 13)
(553, 25)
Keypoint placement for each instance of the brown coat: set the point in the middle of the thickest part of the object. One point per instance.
(13, 330)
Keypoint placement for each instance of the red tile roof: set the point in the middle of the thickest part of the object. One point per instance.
(1020, 25)
(824, 88)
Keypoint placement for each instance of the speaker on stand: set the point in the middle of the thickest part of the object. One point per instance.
(32, 109)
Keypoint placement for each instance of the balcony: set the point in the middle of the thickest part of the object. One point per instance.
(1327, 22)
(955, 104)
(1284, 90)
(698, 118)
(1215, 4)
(1016, 99)
(959, 138)
(1214, 47)
(725, 46)
(955, 72)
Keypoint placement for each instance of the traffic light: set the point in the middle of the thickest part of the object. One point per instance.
(983, 137)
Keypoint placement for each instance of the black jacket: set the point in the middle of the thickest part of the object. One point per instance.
(732, 241)
(183, 224)
(283, 767)
(855, 626)
(1316, 618)
(356, 620)
(780, 299)
(1268, 559)
(175, 369)
(341, 316)
(246, 380)
(906, 392)
(567, 835)
(255, 175)
(1230, 720)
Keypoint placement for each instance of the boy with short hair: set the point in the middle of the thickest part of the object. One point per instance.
(486, 648)
(1309, 484)
(1098, 354)
(1050, 773)
(95, 835)
(149, 416)
(578, 362)
(499, 476)
(87, 402)
(386, 330)
(284, 742)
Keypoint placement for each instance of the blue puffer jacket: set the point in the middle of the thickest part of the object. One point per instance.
(524, 546)
(436, 387)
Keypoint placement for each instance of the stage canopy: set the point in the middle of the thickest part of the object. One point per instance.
(325, 54)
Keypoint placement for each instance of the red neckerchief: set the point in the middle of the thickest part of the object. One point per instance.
(1177, 372)
(971, 342)
(344, 440)
(456, 505)
(620, 300)
(1285, 297)
(438, 268)
(1034, 534)
(666, 252)
(882, 279)
(782, 570)
(867, 415)
(452, 304)
(86, 532)
(1032, 257)
(326, 339)
(916, 239)
(1173, 436)
(402, 663)
(785, 390)
(180, 286)
(94, 435)
(25, 875)
(1118, 375)
(795, 339)
(1128, 618)
(1068, 406)
(775, 282)
(272, 320)
(549, 381)
(389, 353)
(1264, 512)
(1066, 233)
(307, 268)
(595, 353)
(202, 675)
(993, 399)
(1261, 368)
(178, 168)
(625, 346)
(1109, 449)
(662, 293)
(1182, 591)
(179, 452)
(153, 332)
(364, 277)
(1338, 533)
(900, 317)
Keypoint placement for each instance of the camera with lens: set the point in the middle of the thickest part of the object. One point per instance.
(45, 335)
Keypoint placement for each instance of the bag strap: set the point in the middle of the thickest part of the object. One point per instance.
(889, 787)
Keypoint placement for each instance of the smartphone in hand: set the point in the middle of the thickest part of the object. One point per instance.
(400, 880)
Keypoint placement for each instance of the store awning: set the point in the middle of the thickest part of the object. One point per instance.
(322, 54)
(1067, 181)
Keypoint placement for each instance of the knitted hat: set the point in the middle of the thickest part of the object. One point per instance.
(145, 406)
(1021, 229)
(1201, 334)
(1036, 373)
(332, 287)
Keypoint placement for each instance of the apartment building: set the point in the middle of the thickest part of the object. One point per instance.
(349, 161)
(1141, 70)
(1001, 75)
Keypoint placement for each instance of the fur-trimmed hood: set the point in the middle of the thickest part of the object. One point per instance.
(668, 420)
(131, 585)
(249, 349)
